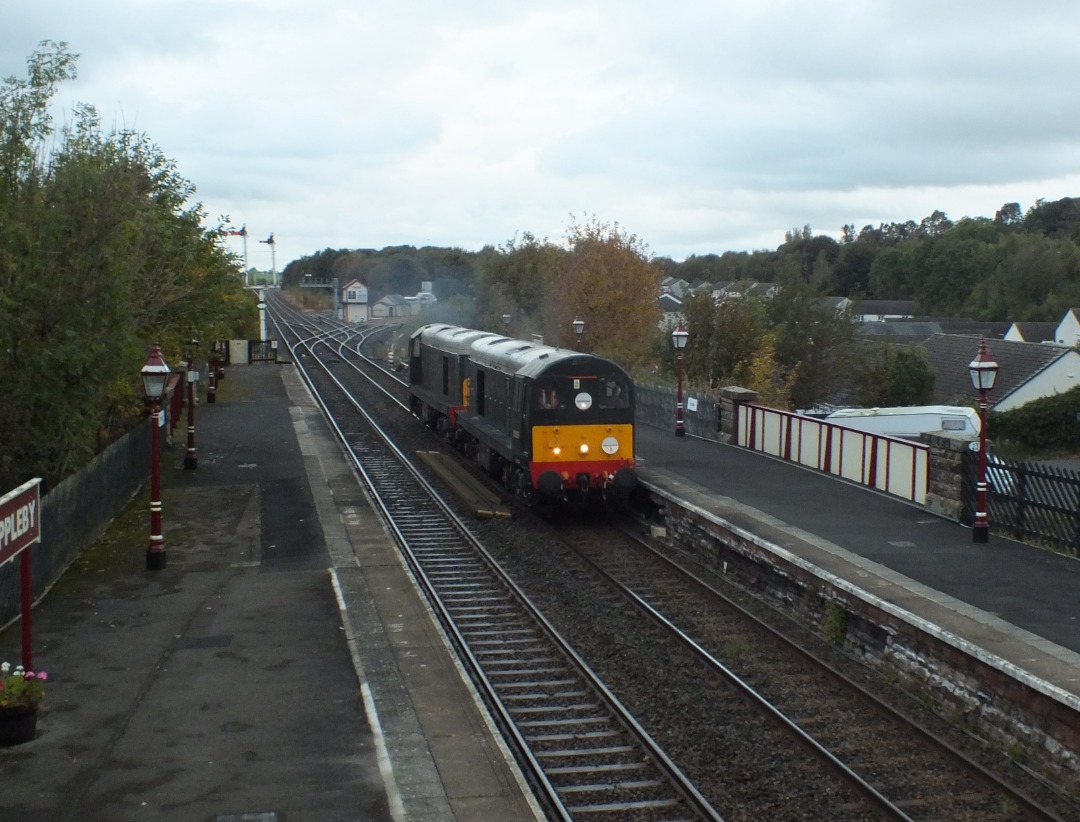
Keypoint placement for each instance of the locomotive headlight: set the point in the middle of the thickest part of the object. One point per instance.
(610, 445)
(584, 448)
(556, 450)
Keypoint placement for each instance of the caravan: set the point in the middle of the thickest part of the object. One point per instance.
(909, 421)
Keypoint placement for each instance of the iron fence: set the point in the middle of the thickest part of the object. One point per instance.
(262, 350)
(76, 512)
(1032, 502)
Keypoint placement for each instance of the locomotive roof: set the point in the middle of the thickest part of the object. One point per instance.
(450, 338)
(505, 354)
(517, 356)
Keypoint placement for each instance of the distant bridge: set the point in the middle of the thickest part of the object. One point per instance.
(312, 282)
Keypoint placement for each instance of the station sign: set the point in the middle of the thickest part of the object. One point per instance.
(20, 519)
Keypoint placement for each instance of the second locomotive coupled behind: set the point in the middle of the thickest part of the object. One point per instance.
(543, 420)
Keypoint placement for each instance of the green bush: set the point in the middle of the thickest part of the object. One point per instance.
(1048, 424)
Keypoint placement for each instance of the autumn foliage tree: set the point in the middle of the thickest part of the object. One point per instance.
(608, 281)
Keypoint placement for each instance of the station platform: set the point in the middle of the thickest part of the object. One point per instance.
(280, 667)
(1003, 598)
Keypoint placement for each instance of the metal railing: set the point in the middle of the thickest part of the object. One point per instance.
(896, 466)
(1032, 502)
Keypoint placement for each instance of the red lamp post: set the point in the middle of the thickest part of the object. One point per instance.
(190, 459)
(678, 338)
(154, 375)
(579, 329)
(983, 371)
(211, 376)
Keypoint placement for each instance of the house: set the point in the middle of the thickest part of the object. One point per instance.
(903, 332)
(1027, 371)
(420, 301)
(1068, 330)
(875, 311)
(671, 310)
(1031, 332)
(763, 291)
(835, 305)
(673, 286)
(962, 326)
(392, 305)
(354, 302)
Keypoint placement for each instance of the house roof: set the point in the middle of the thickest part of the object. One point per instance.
(669, 303)
(1018, 362)
(977, 328)
(1037, 332)
(903, 308)
(898, 330)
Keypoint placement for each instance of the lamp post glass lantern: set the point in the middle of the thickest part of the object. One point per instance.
(155, 373)
(579, 329)
(983, 370)
(679, 338)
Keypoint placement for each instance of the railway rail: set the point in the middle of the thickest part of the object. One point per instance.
(876, 765)
(864, 738)
(585, 754)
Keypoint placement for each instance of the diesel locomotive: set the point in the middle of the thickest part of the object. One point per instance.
(546, 422)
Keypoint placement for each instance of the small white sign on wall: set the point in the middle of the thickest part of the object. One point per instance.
(691, 403)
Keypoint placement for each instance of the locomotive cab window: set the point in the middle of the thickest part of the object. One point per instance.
(613, 393)
(548, 395)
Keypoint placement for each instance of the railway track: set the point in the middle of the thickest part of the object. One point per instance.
(586, 755)
(867, 763)
(894, 762)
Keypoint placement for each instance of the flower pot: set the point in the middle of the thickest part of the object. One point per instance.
(17, 724)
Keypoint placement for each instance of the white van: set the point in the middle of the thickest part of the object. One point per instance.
(909, 421)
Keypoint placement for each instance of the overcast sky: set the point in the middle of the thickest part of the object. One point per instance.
(701, 126)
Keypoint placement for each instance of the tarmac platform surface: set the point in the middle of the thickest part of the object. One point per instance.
(281, 666)
(1003, 598)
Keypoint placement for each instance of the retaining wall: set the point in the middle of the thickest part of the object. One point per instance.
(1032, 720)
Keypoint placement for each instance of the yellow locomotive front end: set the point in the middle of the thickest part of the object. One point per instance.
(586, 457)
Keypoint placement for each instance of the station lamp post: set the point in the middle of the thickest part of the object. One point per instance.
(506, 322)
(579, 329)
(191, 350)
(678, 338)
(983, 371)
(154, 374)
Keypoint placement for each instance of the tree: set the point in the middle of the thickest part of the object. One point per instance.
(763, 374)
(514, 279)
(813, 342)
(100, 255)
(852, 269)
(725, 337)
(1009, 216)
(894, 376)
(609, 281)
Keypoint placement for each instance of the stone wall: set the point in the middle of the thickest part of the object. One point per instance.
(976, 691)
(944, 492)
